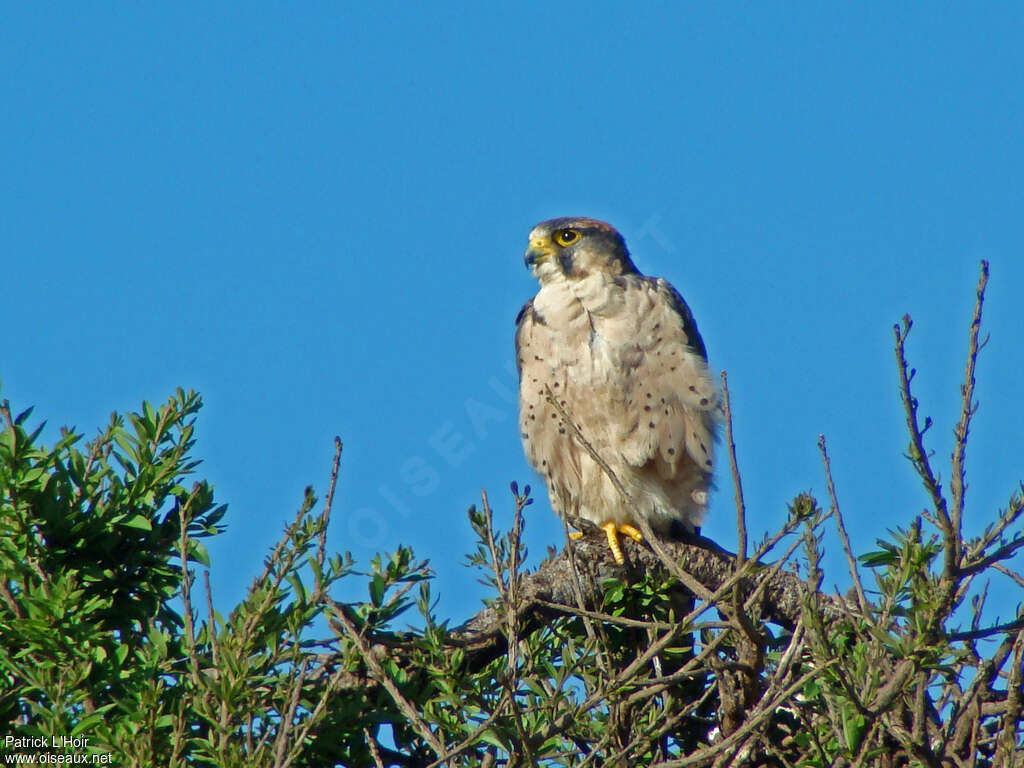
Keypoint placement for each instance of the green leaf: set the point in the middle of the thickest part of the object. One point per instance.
(298, 586)
(377, 588)
(141, 522)
(90, 721)
(126, 443)
(7, 440)
(151, 417)
(198, 553)
(878, 559)
(490, 737)
(853, 730)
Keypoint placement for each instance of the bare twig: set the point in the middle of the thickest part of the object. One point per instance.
(737, 483)
(1009, 516)
(492, 548)
(366, 653)
(918, 455)
(765, 709)
(374, 748)
(621, 621)
(510, 594)
(279, 562)
(576, 584)
(186, 591)
(211, 618)
(585, 444)
(688, 581)
(1007, 750)
(1012, 574)
(968, 407)
(325, 517)
(1003, 553)
(287, 723)
(337, 682)
(474, 738)
(851, 561)
(667, 727)
(978, 633)
(12, 604)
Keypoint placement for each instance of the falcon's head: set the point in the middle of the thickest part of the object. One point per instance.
(574, 248)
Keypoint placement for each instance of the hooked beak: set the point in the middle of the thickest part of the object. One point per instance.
(538, 252)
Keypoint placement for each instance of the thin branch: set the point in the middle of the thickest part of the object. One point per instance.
(621, 621)
(765, 709)
(287, 724)
(667, 727)
(211, 618)
(374, 748)
(1014, 509)
(474, 738)
(325, 517)
(951, 537)
(918, 455)
(492, 548)
(737, 483)
(688, 581)
(8, 597)
(851, 561)
(963, 724)
(585, 444)
(958, 485)
(1012, 574)
(977, 634)
(338, 681)
(1008, 737)
(577, 585)
(1003, 553)
(184, 519)
(382, 677)
(274, 563)
(511, 600)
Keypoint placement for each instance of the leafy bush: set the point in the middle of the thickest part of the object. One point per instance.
(687, 655)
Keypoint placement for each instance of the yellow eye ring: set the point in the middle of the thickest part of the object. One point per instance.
(566, 236)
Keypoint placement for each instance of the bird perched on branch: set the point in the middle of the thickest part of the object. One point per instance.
(617, 407)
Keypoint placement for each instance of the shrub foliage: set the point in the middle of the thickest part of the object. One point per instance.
(686, 656)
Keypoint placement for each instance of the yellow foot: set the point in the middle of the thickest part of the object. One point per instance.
(632, 532)
(612, 531)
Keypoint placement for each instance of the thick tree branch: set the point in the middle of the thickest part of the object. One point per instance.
(552, 585)
(549, 592)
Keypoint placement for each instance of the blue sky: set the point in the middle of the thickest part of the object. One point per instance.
(315, 215)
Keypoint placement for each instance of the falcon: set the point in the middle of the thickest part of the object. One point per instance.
(618, 411)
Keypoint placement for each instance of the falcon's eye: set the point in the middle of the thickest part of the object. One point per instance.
(566, 236)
